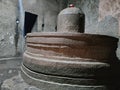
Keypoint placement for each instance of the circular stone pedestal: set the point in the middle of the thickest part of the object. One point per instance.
(33, 78)
(69, 61)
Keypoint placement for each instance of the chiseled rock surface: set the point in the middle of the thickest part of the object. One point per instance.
(16, 83)
(10, 78)
(7, 27)
(101, 17)
(109, 19)
(47, 11)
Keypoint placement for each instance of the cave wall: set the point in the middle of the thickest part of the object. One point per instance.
(7, 27)
(109, 19)
(101, 17)
(11, 35)
(47, 11)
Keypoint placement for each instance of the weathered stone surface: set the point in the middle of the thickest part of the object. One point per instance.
(98, 15)
(61, 58)
(73, 45)
(118, 50)
(108, 26)
(67, 68)
(90, 9)
(47, 11)
(9, 67)
(7, 28)
(16, 83)
(71, 19)
(109, 19)
(108, 8)
(59, 79)
(10, 77)
(44, 85)
(102, 16)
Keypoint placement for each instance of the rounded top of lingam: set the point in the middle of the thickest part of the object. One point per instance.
(71, 10)
(71, 19)
(71, 5)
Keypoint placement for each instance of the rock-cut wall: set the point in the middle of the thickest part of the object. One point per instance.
(101, 17)
(47, 11)
(8, 15)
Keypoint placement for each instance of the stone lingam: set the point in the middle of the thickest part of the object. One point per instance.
(70, 59)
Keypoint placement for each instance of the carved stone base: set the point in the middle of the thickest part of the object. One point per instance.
(36, 79)
(70, 61)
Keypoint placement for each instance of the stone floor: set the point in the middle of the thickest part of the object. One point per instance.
(10, 77)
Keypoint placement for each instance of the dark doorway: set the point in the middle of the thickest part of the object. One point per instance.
(30, 20)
